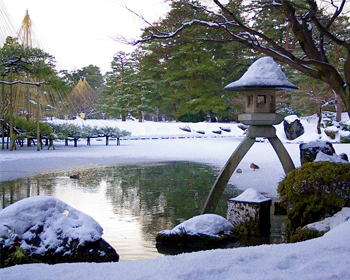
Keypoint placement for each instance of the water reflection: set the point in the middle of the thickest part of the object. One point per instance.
(132, 203)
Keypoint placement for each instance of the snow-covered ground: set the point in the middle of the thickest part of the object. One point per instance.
(327, 257)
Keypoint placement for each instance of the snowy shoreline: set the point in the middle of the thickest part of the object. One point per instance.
(324, 258)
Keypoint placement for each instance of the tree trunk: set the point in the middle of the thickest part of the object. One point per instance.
(75, 142)
(38, 142)
(339, 108)
(3, 136)
(12, 142)
(123, 118)
(29, 141)
(319, 122)
(173, 105)
(140, 116)
(107, 140)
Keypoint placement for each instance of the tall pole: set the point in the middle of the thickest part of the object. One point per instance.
(38, 142)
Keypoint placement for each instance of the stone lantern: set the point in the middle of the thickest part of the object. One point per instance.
(260, 83)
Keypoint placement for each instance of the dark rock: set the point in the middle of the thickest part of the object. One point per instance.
(217, 131)
(344, 156)
(308, 151)
(200, 131)
(242, 126)
(226, 129)
(185, 128)
(193, 241)
(293, 129)
(97, 251)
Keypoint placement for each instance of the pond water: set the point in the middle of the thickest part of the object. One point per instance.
(131, 203)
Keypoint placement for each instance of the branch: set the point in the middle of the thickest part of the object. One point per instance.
(325, 29)
(23, 83)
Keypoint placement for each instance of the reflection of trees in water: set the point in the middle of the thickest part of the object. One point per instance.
(13, 191)
(161, 195)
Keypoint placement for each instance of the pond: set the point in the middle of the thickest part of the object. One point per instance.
(131, 203)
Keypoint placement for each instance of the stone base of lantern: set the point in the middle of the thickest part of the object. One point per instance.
(261, 118)
(253, 217)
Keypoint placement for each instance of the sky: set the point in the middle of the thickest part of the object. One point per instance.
(81, 32)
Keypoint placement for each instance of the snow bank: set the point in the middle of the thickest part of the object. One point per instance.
(58, 220)
(331, 222)
(324, 258)
(207, 224)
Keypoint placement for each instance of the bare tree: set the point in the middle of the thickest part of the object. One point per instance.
(314, 29)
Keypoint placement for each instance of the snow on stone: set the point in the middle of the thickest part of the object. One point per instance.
(345, 133)
(313, 144)
(264, 72)
(207, 224)
(331, 222)
(332, 128)
(251, 195)
(291, 118)
(324, 157)
(58, 219)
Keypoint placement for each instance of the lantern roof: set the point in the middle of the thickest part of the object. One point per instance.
(264, 73)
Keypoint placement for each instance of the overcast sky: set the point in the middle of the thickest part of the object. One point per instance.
(80, 32)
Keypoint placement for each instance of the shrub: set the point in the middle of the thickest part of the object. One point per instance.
(313, 191)
(331, 131)
(303, 234)
(345, 137)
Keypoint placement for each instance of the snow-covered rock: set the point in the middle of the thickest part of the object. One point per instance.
(49, 230)
(333, 158)
(309, 151)
(207, 230)
(206, 224)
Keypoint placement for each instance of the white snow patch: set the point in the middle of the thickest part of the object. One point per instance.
(291, 118)
(251, 195)
(207, 224)
(324, 157)
(331, 222)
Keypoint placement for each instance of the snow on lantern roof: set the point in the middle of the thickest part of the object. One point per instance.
(263, 73)
(250, 196)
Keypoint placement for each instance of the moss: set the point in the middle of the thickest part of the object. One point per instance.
(330, 133)
(313, 191)
(302, 234)
(344, 138)
(249, 228)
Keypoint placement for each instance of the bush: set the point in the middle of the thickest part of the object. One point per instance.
(345, 137)
(313, 191)
(303, 234)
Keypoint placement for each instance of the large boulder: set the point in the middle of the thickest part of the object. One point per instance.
(309, 151)
(207, 230)
(293, 127)
(45, 229)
